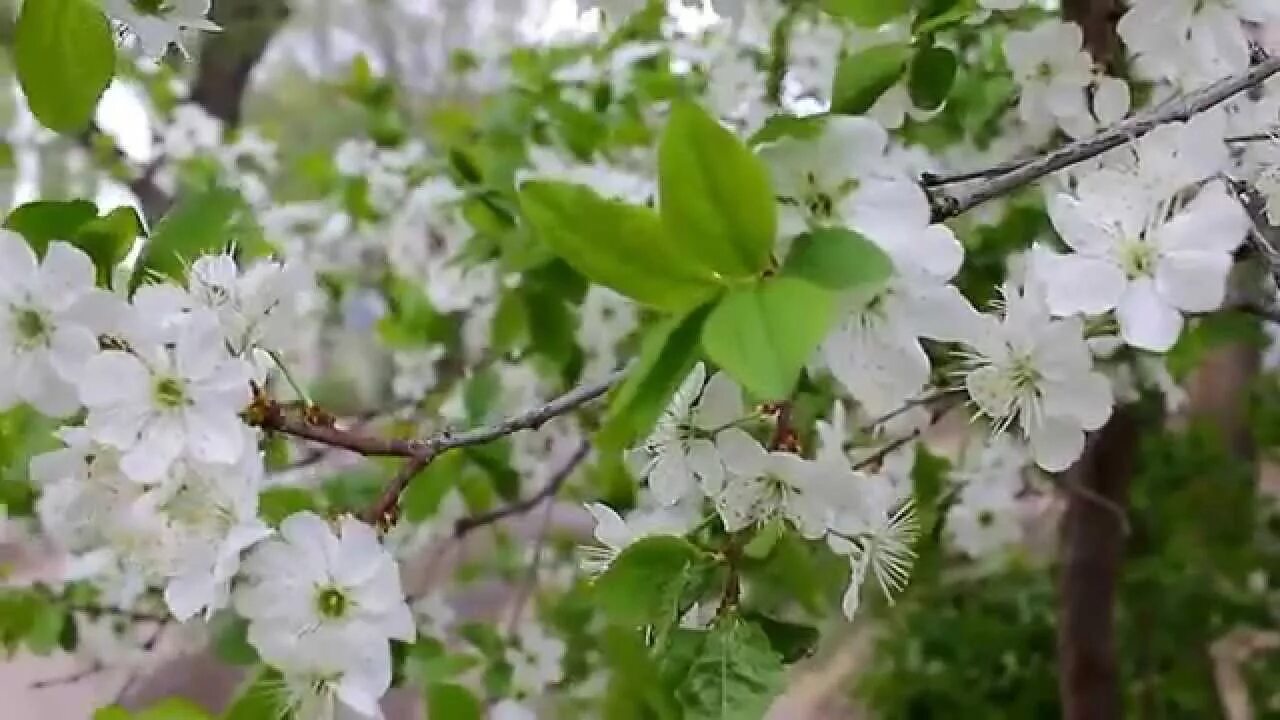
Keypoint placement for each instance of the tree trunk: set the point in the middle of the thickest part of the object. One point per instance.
(1093, 538)
(1093, 529)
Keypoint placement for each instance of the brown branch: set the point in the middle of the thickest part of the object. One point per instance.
(423, 453)
(468, 524)
(947, 206)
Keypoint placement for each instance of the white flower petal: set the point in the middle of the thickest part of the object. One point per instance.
(1147, 320)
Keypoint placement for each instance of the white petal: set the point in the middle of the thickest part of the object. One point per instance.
(1213, 221)
(1055, 444)
(151, 457)
(1086, 400)
(17, 263)
(1193, 281)
(721, 403)
(704, 461)
(670, 479)
(112, 377)
(1147, 320)
(1080, 225)
(1081, 284)
(1111, 100)
(213, 435)
(741, 453)
(65, 274)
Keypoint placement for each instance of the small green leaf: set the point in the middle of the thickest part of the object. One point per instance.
(446, 700)
(868, 13)
(65, 57)
(44, 221)
(618, 245)
(764, 334)
(789, 126)
(639, 585)
(107, 240)
(935, 15)
(790, 640)
(716, 197)
(667, 354)
(206, 222)
(838, 259)
(933, 73)
(260, 698)
(735, 676)
(230, 640)
(863, 77)
(174, 709)
(112, 712)
(277, 503)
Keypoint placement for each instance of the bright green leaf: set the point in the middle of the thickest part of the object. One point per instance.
(838, 259)
(764, 334)
(446, 700)
(65, 55)
(44, 221)
(736, 675)
(933, 72)
(789, 126)
(639, 586)
(667, 354)
(260, 698)
(112, 712)
(230, 640)
(618, 245)
(863, 77)
(716, 197)
(206, 222)
(174, 709)
(107, 240)
(868, 13)
(277, 503)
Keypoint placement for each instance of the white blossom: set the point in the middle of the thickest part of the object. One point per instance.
(156, 402)
(1137, 256)
(1030, 369)
(536, 659)
(44, 339)
(159, 23)
(680, 455)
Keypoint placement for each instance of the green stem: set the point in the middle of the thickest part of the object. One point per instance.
(288, 376)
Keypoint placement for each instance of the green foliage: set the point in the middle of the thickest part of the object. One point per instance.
(65, 57)
(446, 700)
(212, 221)
(644, 584)
(763, 334)
(868, 13)
(667, 354)
(171, 709)
(717, 202)
(933, 73)
(735, 674)
(615, 244)
(106, 240)
(838, 259)
(861, 78)
(259, 698)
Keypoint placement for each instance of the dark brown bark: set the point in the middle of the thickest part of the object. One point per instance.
(227, 58)
(1093, 538)
(1097, 20)
(1093, 528)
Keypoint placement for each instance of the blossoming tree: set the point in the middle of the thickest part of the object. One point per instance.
(706, 285)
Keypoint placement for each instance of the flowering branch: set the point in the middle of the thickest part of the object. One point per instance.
(949, 206)
(553, 486)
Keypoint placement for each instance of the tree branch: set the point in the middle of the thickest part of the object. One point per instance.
(468, 524)
(949, 206)
(423, 453)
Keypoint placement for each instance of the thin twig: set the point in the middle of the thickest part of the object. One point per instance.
(929, 179)
(96, 668)
(911, 404)
(946, 206)
(525, 590)
(878, 457)
(1092, 496)
(467, 524)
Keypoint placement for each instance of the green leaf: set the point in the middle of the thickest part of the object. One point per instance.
(667, 354)
(639, 586)
(277, 503)
(764, 334)
(65, 56)
(46, 627)
(260, 698)
(792, 641)
(206, 222)
(107, 240)
(736, 675)
(446, 700)
(112, 712)
(933, 73)
(789, 126)
(935, 15)
(618, 245)
(44, 221)
(716, 197)
(838, 259)
(868, 13)
(863, 77)
(230, 640)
